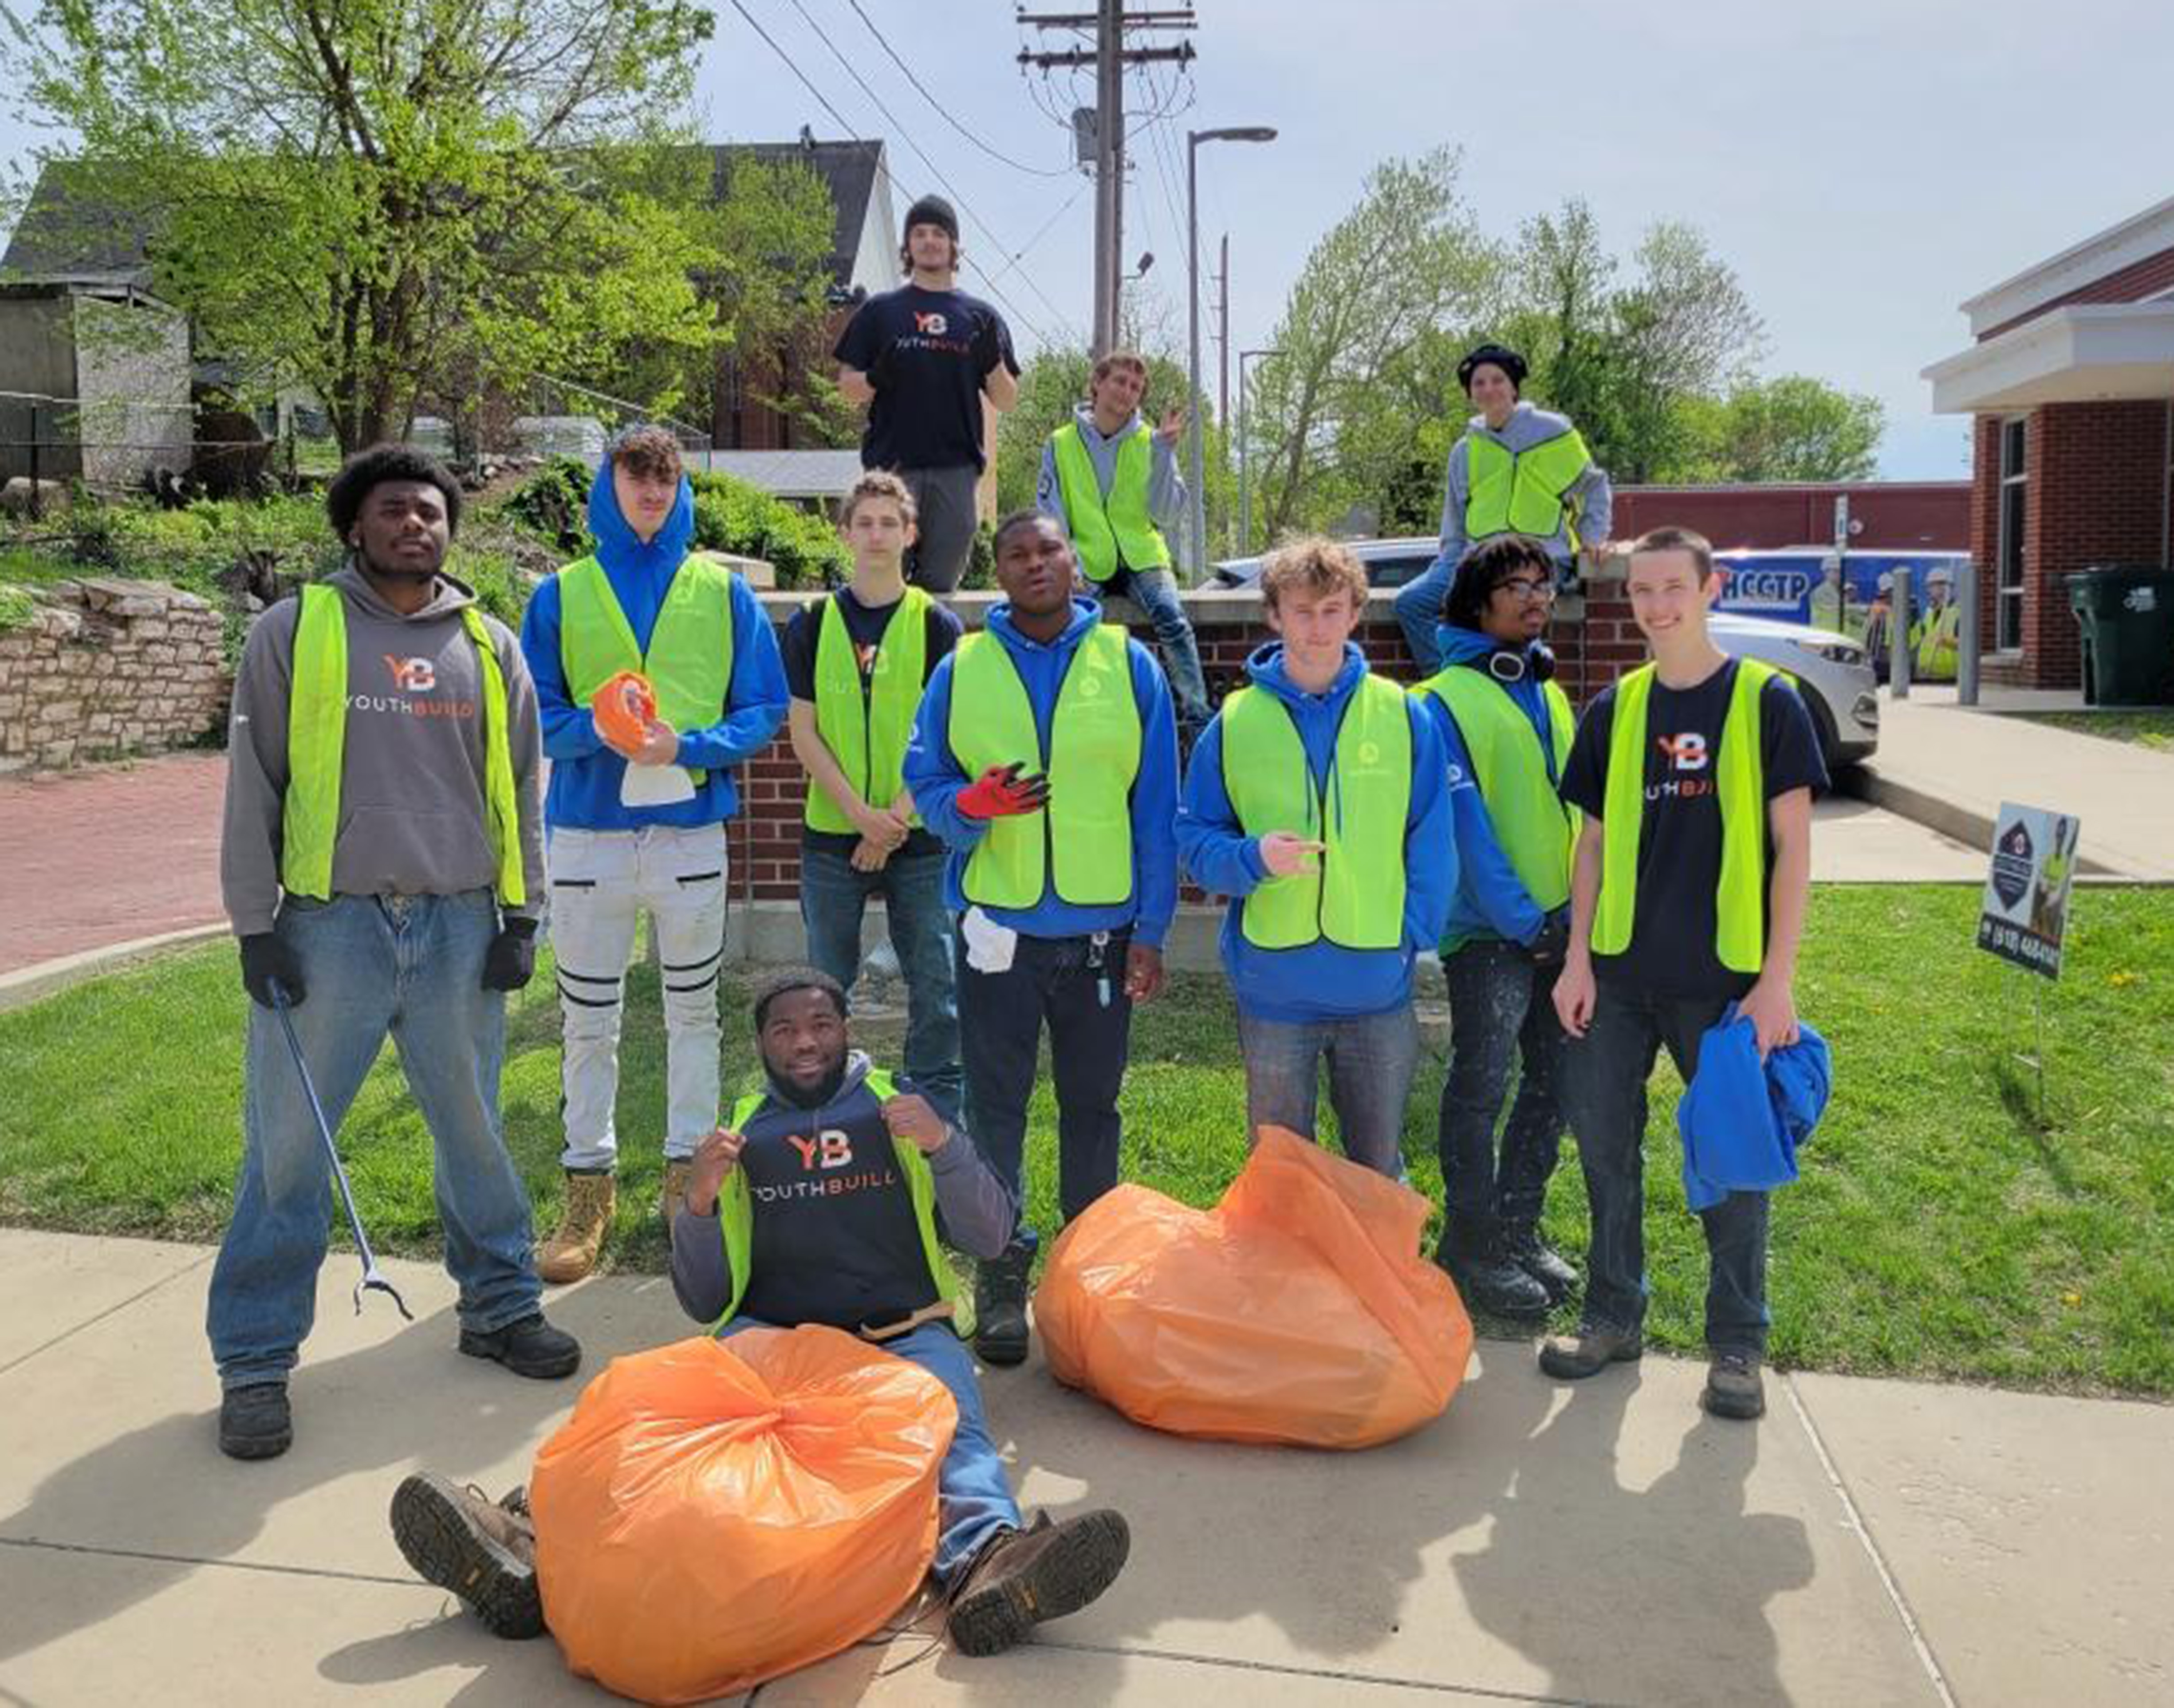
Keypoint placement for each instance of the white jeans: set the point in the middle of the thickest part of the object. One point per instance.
(599, 879)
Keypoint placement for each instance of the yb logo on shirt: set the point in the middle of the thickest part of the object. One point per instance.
(411, 675)
(1687, 752)
(931, 325)
(828, 1148)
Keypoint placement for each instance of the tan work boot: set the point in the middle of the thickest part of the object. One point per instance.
(571, 1253)
(674, 1197)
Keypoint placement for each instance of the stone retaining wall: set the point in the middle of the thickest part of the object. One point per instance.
(104, 668)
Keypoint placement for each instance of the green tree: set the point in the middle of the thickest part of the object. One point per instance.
(373, 196)
(1793, 428)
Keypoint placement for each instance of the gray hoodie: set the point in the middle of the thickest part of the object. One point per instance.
(1589, 495)
(1166, 486)
(411, 819)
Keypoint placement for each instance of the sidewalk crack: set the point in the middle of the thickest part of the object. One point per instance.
(189, 1268)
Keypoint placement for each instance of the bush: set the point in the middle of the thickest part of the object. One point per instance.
(16, 606)
(554, 504)
(731, 515)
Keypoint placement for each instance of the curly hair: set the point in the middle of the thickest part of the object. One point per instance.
(1485, 568)
(787, 980)
(367, 469)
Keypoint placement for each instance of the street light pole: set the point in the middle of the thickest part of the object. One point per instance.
(1245, 455)
(1196, 506)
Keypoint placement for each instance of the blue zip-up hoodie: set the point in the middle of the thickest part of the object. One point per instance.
(1319, 982)
(933, 773)
(1492, 901)
(585, 773)
(1742, 1119)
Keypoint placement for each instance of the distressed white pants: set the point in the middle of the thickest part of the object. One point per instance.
(599, 881)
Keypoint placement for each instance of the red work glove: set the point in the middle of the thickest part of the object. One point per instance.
(1001, 792)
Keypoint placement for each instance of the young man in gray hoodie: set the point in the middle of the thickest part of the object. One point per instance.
(1517, 470)
(1111, 483)
(382, 863)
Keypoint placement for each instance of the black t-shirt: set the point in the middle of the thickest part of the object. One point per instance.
(866, 626)
(1672, 944)
(835, 1239)
(926, 352)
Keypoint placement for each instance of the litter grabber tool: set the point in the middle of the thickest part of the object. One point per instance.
(373, 1278)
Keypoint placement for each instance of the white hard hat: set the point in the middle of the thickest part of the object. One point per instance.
(1939, 572)
(1886, 582)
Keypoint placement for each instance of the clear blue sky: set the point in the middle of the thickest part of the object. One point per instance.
(1865, 165)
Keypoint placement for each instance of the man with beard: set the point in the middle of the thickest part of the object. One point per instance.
(382, 863)
(819, 1204)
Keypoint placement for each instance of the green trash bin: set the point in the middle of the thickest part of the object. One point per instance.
(2127, 614)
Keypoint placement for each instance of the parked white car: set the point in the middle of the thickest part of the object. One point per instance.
(1830, 670)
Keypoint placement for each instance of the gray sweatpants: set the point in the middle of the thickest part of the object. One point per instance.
(944, 499)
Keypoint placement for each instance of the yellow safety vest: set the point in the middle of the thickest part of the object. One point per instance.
(690, 660)
(736, 1215)
(1355, 899)
(867, 726)
(1082, 844)
(1537, 829)
(1115, 528)
(1740, 782)
(1522, 491)
(317, 746)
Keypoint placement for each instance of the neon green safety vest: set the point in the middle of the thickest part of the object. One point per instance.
(1356, 898)
(317, 746)
(1939, 637)
(1082, 844)
(1522, 491)
(1739, 779)
(867, 725)
(736, 1215)
(1115, 528)
(1538, 831)
(690, 661)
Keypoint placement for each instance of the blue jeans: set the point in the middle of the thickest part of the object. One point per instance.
(1604, 1075)
(408, 965)
(1155, 592)
(1419, 612)
(1371, 1060)
(973, 1496)
(1501, 1010)
(833, 897)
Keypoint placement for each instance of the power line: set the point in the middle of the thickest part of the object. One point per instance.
(944, 113)
(1048, 225)
(906, 137)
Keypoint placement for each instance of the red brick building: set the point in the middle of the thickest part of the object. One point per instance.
(1892, 515)
(2070, 384)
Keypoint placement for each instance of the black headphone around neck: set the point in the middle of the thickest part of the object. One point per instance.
(1507, 664)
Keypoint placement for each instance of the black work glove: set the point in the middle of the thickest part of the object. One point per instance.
(265, 957)
(1552, 942)
(510, 962)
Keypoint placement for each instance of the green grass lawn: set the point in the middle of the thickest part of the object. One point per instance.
(1939, 1230)
(2144, 726)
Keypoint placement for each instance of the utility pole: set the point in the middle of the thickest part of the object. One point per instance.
(1222, 335)
(1108, 25)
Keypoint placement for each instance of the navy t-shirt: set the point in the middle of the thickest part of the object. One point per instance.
(1672, 944)
(865, 626)
(926, 352)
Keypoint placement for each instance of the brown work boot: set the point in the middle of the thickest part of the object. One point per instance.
(1592, 1350)
(1733, 1388)
(674, 1197)
(571, 1253)
(484, 1554)
(1025, 1577)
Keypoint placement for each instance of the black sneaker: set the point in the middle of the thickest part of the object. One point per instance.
(256, 1422)
(1592, 1350)
(484, 1554)
(530, 1348)
(1489, 1282)
(1524, 1247)
(1025, 1577)
(1000, 1328)
(1733, 1387)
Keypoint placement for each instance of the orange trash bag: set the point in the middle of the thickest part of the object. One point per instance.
(1297, 1310)
(717, 1512)
(625, 708)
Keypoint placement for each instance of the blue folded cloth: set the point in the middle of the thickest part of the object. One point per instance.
(1741, 1118)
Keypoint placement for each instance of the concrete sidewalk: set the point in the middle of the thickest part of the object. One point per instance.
(1948, 767)
(1869, 1542)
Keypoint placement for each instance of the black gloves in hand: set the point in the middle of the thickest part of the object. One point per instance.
(265, 957)
(510, 962)
(1553, 941)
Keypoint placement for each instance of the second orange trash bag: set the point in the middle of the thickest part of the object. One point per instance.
(1298, 1310)
(715, 1513)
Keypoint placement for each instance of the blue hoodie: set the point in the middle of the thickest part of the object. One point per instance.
(1319, 982)
(1741, 1118)
(933, 774)
(1492, 901)
(585, 773)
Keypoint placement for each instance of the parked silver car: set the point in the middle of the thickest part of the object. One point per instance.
(1830, 670)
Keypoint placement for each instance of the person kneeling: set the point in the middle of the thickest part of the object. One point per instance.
(817, 1205)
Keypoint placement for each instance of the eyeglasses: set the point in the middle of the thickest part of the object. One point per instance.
(1526, 587)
